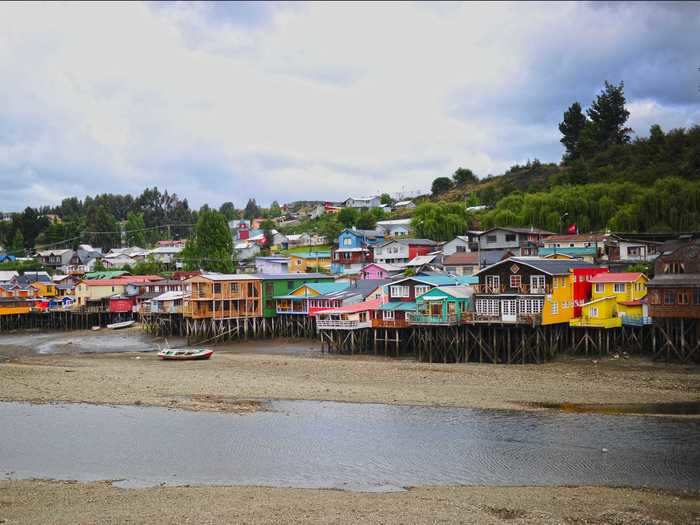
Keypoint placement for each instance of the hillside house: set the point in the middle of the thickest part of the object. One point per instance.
(522, 241)
(299, 239)
(309, 262)
(462, 243)
(363, 202)
(404, 205)
(275, 264)
(54, 259)
(400, 251)
(395, 228)
(468, 263)
(587, 247)
(380, 271)
(622, 251)
(354, 250)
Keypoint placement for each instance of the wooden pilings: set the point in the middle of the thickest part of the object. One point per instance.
(59, 320)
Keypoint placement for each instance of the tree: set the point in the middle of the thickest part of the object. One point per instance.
(211, 245)
(17, 247)
(135, 230)
(267, 227)
(385, 198)
(275, 209)
(440, 221)
(251, 210)
(608, 116)
(102, 227)
(571, 128)
(464, 176)
(366, 220)
(348, 217)
(441, 185)
(229, 211)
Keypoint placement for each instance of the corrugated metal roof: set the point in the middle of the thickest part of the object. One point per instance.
(399, 306)
(548, 266)
(610, 277)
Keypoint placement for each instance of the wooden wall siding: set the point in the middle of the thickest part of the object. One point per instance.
(411, 290)
(223, 290)
(659, 308)
(504, 271)
(688, 256)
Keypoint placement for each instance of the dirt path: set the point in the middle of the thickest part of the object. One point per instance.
(68, 503)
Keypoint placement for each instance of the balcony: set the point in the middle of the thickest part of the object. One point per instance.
(522, 318)
(596, 322)
(434, 320)
(389, 323)
(635, 320)
(292, 308)
(340, 324)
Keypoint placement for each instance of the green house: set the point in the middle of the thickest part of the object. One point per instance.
(442, 305)
(283, 284)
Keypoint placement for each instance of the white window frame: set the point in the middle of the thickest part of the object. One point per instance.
(388, 315)
(516, 278)
(347, 241)
(599, 287)
(617, 286)
(401, 291)
(421, 289)
(493, 282)
(593, 311)
(538, 282)
(555, 308)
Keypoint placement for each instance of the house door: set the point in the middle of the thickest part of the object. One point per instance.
(509, 310)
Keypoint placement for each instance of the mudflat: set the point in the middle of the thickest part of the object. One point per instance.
(237, 381)
(68, 502)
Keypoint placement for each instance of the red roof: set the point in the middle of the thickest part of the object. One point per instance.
(353, 308)
(612, 277)
(123, 281)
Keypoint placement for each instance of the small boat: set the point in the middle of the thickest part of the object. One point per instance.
(123, 324)
(185, 354)
(95, 328)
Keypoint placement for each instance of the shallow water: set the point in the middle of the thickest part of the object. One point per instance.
(350, 446)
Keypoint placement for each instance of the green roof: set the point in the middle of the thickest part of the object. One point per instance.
(312, 255)
(399, 306)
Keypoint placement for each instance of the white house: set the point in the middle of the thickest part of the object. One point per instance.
(459, 244)
(301, 239)
(363, 202)
(246, 250)
(404, 205)
(165, 254)
(272, 265)
(395, 228)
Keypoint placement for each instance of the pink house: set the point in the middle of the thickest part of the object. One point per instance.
(380, 271)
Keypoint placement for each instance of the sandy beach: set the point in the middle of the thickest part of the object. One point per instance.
(240, 375)
(68, 503)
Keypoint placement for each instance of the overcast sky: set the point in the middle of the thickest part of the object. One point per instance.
(220, 102)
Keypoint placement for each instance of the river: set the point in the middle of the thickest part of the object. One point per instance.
(368, 447)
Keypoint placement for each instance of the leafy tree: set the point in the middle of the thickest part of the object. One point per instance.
(103, 230)
(348, 217)
(608, 116)
(571, 129)
(275, 209)
(330, 228)
(267, 227)
(441, 221)
(385, 198)
(135, 230)
(366, 220)
(441, 185)
(464, 176)
(251, 210)
(229, 211)
(211, 245)
(17, 247)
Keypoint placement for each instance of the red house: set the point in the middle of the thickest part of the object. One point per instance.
(582, 286)
(121, 304)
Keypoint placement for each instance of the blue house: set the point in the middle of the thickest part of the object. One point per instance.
(353, 250)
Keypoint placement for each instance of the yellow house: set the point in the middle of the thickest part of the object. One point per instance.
(613, 296)
(558, 306)
(96, 289)
(45, 289)
(309, 262)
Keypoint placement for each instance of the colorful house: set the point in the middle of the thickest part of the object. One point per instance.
(14, 306)
(352, 317)
(309, 262)
(357, 292)
(613, 297)
(588, 247)
(297, 302)
(402, 250)
(380, 271)
(353, 251)
(442, 305)
(283, 284)
(45, 289)
(224, 296)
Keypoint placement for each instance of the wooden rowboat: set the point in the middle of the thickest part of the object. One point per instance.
(117, 326)
(185, 354)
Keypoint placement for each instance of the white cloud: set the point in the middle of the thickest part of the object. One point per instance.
(316, 101)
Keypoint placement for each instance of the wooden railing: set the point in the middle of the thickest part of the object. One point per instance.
(339, 324)
(524, 289)
(433, 319)
(389, 323)
(473, 317)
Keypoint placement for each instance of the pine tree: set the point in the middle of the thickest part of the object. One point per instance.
(211, 246)
(608, 116)
(571, 128)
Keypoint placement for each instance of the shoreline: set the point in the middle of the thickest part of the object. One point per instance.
(42, 501)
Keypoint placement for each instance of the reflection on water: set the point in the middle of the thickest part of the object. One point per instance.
(351, 446)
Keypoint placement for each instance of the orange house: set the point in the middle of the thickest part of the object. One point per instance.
(222, 296)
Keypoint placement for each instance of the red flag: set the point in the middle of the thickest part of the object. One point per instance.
(572, 229)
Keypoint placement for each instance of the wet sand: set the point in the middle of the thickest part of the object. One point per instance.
(61, 502)
(240, 376)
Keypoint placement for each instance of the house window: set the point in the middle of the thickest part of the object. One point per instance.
(490, 239)
(683, 298)
(235, 288)
(674, 267)
(599, 288)
(420, 290)
(619, 287)
(217, 287)
(510, 237)
(593, 312)
(461, 249)
(493, 283)
(655, 299)
(634, 251)
(400, 291)
(537, 283)
(555, 308)
(668, 297)
(388, 315)
(516, 281)
(347, 241)
(290, 285)
(298, 262)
